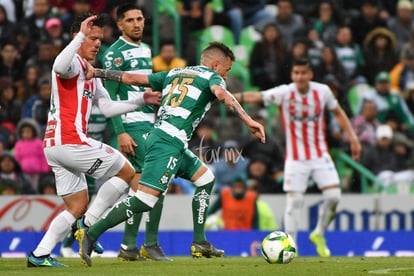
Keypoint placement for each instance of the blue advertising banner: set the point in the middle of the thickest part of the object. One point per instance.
(235, 243)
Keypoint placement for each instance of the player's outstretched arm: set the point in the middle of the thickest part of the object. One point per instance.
(233, 105)
(119, 76)
(248, 97)
(345, 124)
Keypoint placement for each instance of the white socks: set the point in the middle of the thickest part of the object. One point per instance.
(294, 204)
(109, 193)
(327, 209)
(58, 230)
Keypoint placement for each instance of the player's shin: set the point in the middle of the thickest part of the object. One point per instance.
(201, 201)
(327, 210)
(58, 229)
(294, 204)
(153, 223)
(129, 240)
(107, 196)
(122, 211)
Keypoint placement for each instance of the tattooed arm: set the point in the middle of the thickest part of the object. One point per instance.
(233, 105)
(120, 76)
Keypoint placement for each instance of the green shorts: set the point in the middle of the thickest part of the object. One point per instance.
(139, 136)
(138, 132)
(165, 158)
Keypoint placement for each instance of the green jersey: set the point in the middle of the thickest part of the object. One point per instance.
(186, 97)
(125, 56)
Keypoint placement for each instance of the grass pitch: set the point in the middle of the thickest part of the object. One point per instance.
(222, 266)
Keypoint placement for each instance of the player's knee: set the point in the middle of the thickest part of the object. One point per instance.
(294, 201)
(147, 198)
(207, 178)
(127, 172)
(332, 196)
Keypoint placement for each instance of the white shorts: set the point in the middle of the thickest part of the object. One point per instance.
(298, 172)
(70, 163)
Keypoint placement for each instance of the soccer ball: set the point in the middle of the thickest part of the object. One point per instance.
(278, 248)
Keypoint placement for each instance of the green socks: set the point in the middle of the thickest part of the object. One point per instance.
(151, 230)
(131, 231)
(122, 211)
(201, 200)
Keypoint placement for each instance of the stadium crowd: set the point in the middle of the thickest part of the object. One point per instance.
(363, 50)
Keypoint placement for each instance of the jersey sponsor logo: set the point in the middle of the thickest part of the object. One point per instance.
(95, 166)
(118, 62)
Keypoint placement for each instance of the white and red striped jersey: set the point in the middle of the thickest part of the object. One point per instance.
(302, 117)
(71, 105)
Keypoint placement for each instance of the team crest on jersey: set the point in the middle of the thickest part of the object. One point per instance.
(118, 62)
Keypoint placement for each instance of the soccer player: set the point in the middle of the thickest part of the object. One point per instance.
(130, 54)
(187, 95)
(302, 104)
(68, 149)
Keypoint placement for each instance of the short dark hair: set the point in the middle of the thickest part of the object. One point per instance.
(301, 62)
(100, 21)
(221, 47)
(122, 9)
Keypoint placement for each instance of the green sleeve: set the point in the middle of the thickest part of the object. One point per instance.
(156, 80)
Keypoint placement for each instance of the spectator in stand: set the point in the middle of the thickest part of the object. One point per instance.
(41, 105)
(349, 53)
(327, 22)
(36, 21)
(167, 58)
(7, 27)
(47, 184)
(388, 101)
(330, 65)
(11, 108)
(10, 9)
(8, 187)
(55, 33)
(10, 169)
(204, 142)
(315, 46)
(244, 13)
(409, 98)
(402, 24)
(10, 63)
(402, 74)
(230, 164)
(28, 151)
(393, 171)
(78, 8)
(291, 25)
(267, 58)
(368, 20)
(271, 151)
(25, 46)
(195, 16)
(238, 205)
(380, 48)
(260, 177)
(46, 54)
(298, 50)
(27, 86)
(366, 123)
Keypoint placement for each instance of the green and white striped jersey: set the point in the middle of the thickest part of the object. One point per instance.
(125, 56)
(186, 97)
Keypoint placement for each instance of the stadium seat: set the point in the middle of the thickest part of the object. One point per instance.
(355, 94)
(215, 33)
(248, 37)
